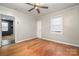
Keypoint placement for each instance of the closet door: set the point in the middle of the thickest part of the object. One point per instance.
(0, 31)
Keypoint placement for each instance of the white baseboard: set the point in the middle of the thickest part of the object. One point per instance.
(25, 39)
(50, 40)
(61, 42)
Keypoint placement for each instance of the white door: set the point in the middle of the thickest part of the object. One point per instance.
(39, 28)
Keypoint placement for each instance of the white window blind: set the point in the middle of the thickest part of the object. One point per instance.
(57, 24)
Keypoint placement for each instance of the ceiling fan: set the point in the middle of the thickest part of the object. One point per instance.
(36, 6)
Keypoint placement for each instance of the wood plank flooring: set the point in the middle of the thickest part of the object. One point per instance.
(39, 47)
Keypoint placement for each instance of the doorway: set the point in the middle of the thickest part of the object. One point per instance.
(39, 28)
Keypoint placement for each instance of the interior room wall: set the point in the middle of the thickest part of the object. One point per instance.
(25, 25)
(71, 26)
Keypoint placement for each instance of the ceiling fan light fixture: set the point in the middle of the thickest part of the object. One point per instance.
(36, 7)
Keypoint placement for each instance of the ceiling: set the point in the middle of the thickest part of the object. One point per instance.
(22, 7)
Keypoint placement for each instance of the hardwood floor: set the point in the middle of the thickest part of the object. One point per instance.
(39, 47)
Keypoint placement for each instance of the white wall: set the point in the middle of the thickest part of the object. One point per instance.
(71, 26)
(25, 25)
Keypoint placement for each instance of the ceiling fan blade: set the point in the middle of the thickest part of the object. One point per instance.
(38, 10)
(29, 4)
(31, 9)
(43, 7)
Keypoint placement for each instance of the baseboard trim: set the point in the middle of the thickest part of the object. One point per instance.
(49, 40)
(61, 42)
(25, 39)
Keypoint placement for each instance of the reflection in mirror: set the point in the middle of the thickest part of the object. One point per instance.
(4, 26)
(7, 31)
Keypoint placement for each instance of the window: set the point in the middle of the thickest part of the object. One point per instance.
(57, 24)
(4, 26)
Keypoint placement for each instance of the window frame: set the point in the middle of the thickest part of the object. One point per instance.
(61, 32)
(4, 26)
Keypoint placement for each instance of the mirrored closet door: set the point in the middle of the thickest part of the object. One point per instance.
(7, 30)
